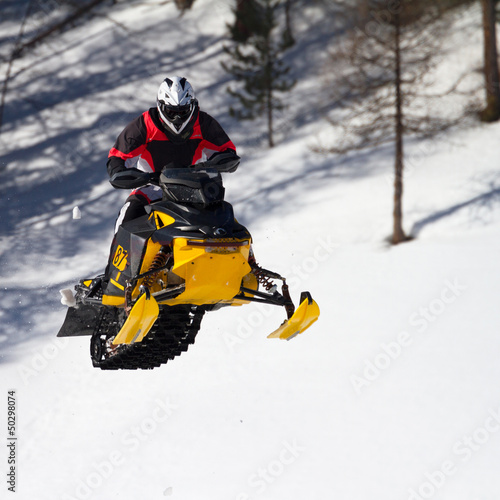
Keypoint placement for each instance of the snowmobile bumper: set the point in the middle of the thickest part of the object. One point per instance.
(140, 320)
(305, 315)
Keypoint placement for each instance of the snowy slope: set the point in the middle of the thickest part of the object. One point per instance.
(393, 394)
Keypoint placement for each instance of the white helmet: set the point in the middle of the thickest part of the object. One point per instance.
(176, 103)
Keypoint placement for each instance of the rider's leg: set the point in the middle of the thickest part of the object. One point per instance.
(134, 207)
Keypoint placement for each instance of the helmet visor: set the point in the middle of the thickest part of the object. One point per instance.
(176, 114)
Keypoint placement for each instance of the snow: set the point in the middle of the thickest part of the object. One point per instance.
(392, 394)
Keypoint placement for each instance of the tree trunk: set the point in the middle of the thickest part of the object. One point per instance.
(288, 37)
(183, 5)
(288, 20)
(241, 13)
(492, 111)
(270, 119)
(269, 90)
(398, 234)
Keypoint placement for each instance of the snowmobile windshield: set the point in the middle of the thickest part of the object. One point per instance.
(192, 187)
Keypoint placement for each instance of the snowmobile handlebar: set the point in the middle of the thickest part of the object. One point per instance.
(224, 161)
(131, 178)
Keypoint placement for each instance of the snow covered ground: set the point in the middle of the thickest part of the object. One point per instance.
(393, 394)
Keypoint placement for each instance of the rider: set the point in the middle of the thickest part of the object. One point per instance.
(175, 132)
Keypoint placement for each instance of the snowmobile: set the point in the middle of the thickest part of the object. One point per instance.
(187, 256)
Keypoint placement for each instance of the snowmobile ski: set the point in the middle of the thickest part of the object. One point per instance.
(140, 320)
(305, 315)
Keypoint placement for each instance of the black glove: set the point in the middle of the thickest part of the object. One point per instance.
(155, 178)
(130, 178)
(225, 161)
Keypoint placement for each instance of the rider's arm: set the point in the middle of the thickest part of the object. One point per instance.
(215, 140)
(129, 144)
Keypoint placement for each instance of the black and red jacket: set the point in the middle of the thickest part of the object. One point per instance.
(145, 144)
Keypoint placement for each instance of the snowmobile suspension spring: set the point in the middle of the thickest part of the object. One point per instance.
(159, 260)
(261, 276)
(128, 298)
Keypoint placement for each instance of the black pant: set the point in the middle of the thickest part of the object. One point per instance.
(136, 207)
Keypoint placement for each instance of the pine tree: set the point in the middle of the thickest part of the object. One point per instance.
(257, 64)
(247, 16)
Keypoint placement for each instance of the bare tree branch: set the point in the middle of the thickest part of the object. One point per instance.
(84, 9)
(11, 60)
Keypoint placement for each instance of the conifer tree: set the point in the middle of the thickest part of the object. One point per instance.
(257, 63)
(247, 16)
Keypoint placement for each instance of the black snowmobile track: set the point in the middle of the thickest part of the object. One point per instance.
(173, 332)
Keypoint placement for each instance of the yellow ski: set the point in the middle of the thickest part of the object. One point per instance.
(305, 315)
(139, 322)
